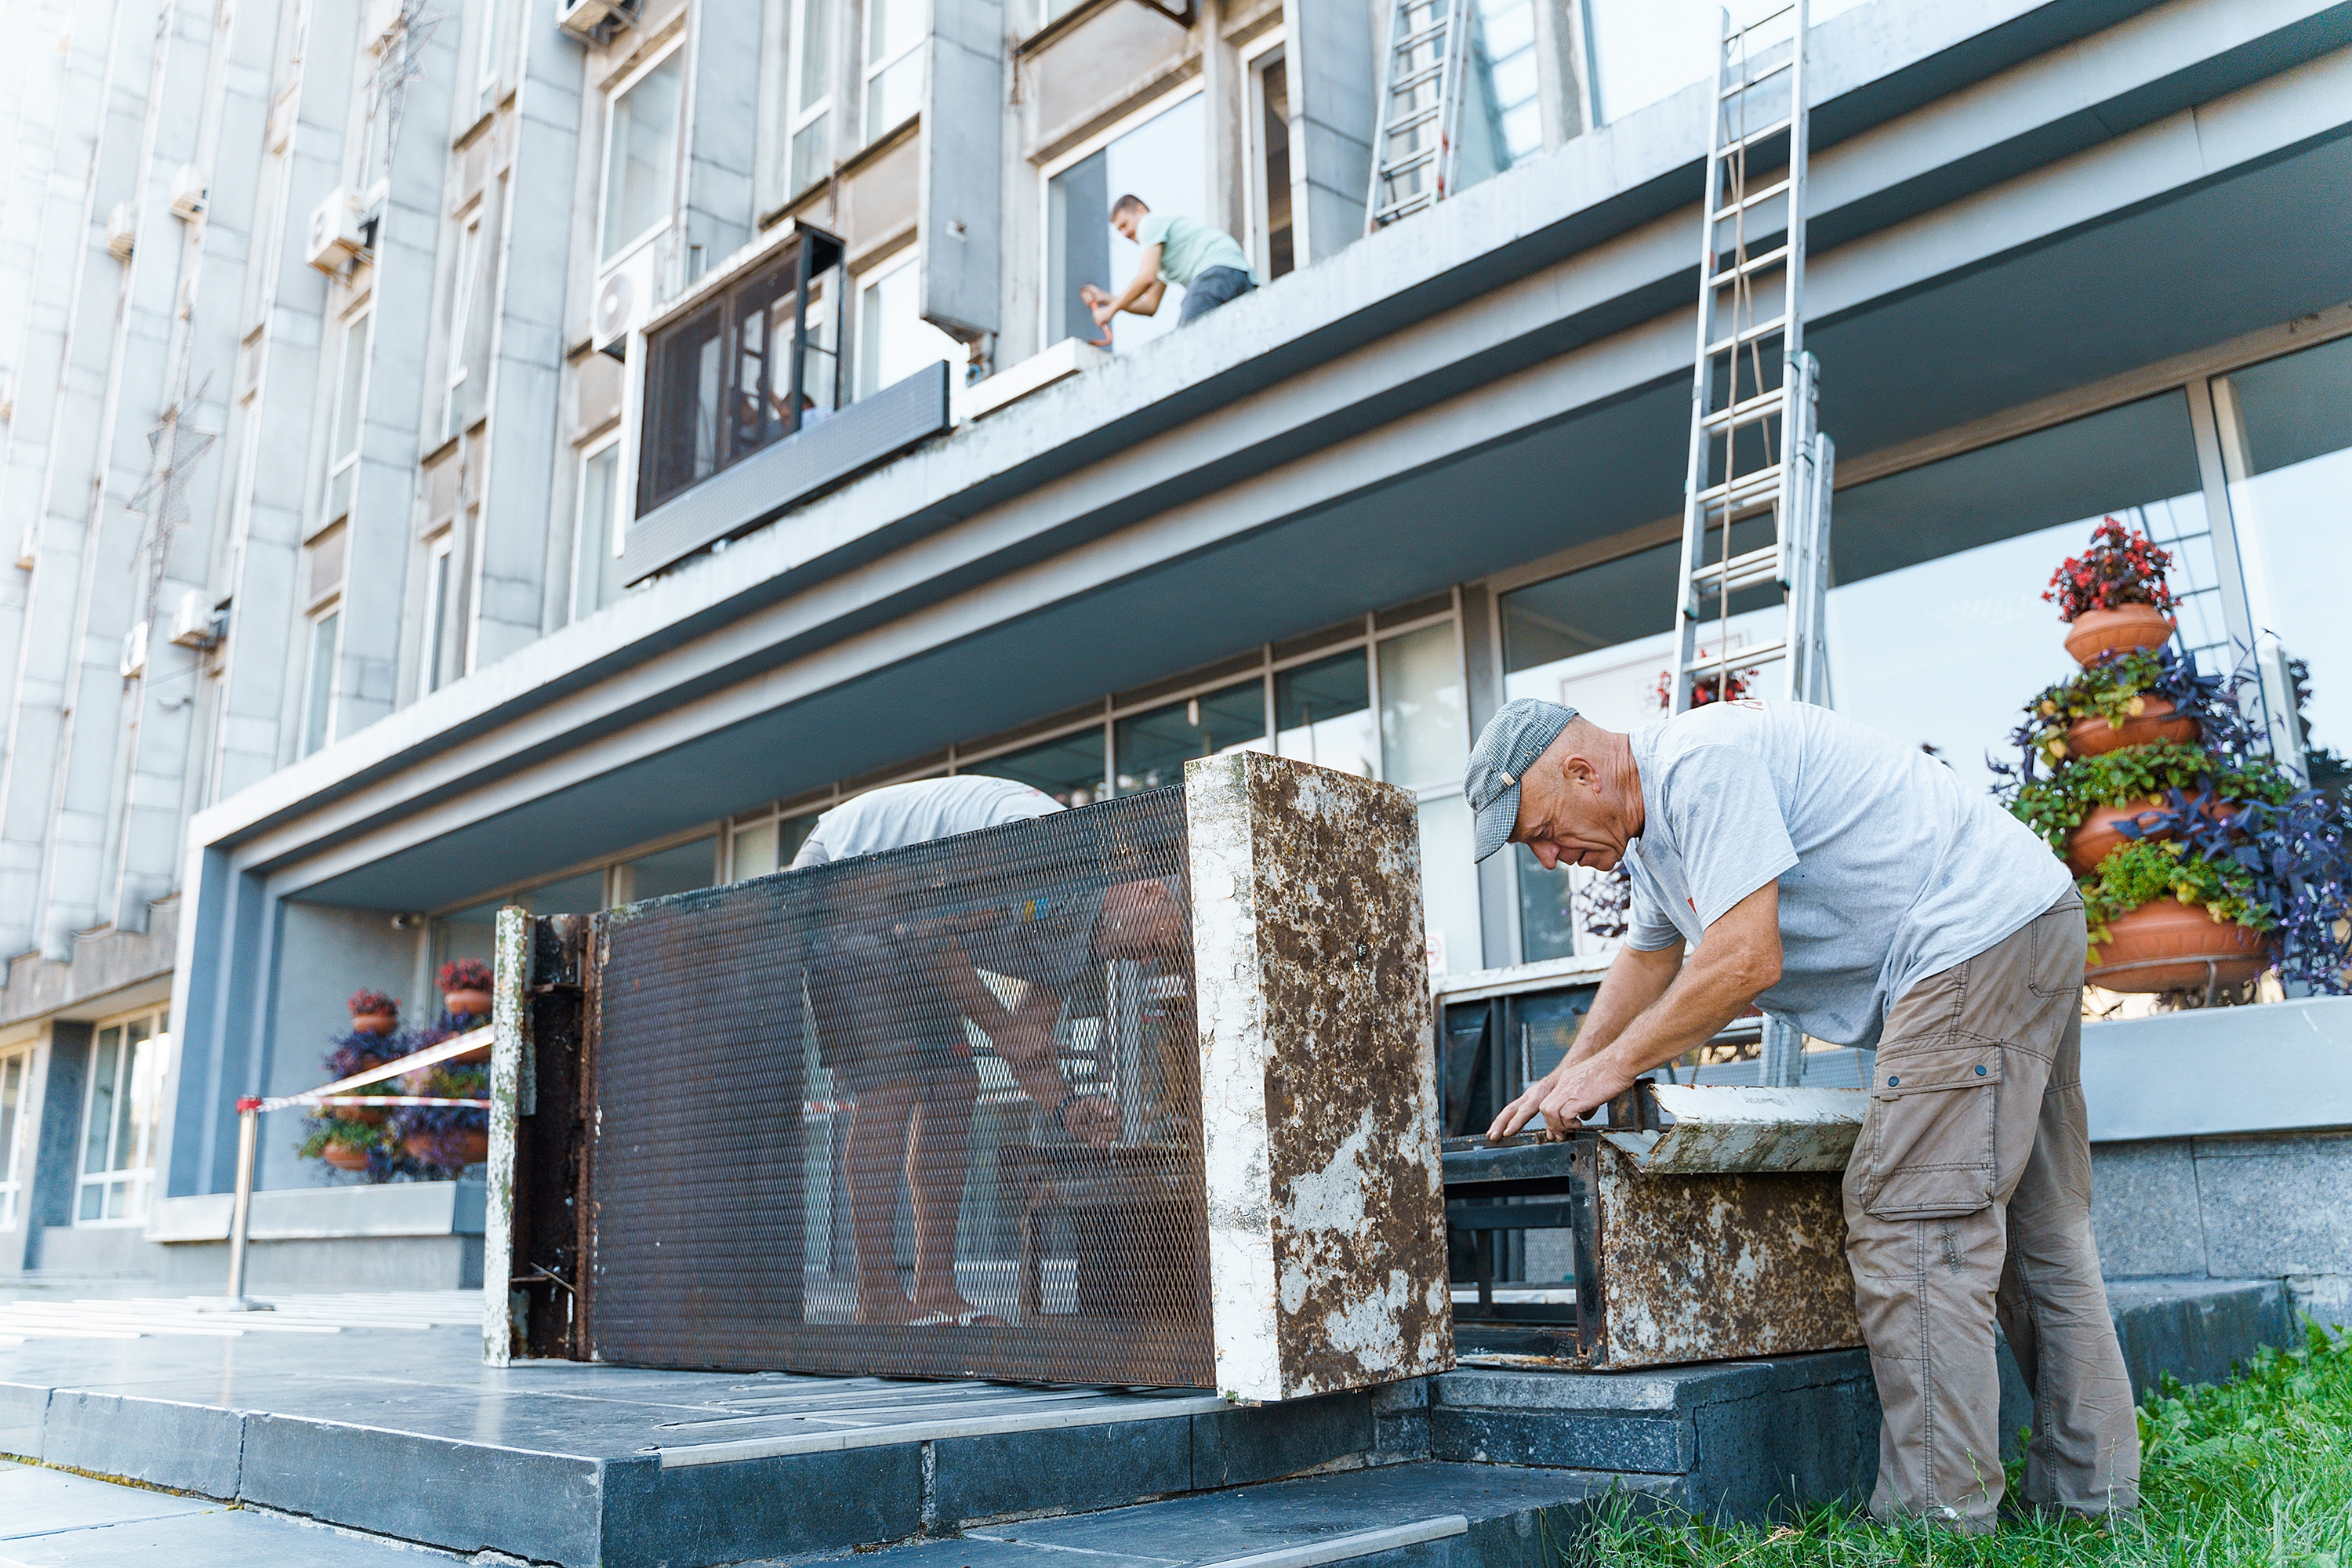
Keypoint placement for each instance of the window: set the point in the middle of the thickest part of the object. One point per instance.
(1424, 742)
(1270, 164)
(1644, 50)
(344, 421)
(1502, 121)
(718, 383)
(464, 301)
(2286, 445)
(119, 1115)
(1153, 747)
(440, 553)
(494, 48)
(1163, 160)
(894, 341)
(596, 563)
(15, 1072)
(318, 696)
(666, 871)
(1323, 713)
(757, 849)
(1070, 768)
(894, 63)
(641, 155)
(812, 121)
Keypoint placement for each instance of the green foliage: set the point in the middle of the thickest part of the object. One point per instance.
(330, 1131)
(2255, 1471)
(2114, 689)
(2055, 806)
(2142, 871)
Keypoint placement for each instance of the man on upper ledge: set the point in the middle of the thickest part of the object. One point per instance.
(1853, 886)
(1206, 263)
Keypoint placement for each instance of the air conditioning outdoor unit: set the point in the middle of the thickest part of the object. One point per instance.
(335, 237)
(623, 302)
(595, 21)
(121, 230)
(134, 652)
(195, 623)
(188, 192)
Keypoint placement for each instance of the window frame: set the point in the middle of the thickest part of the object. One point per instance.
(613, 92)
(799, 116)
(489, 74)
(874, 276)
(1259, 55)
(358, 325)
(870, 70)
(14, 1120)
(138, 1176)
(440, 581)
(313, 699)
(588, 452)
(1078, 152)
(463, 303)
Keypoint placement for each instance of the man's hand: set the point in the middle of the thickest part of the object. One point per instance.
(1646, 1015)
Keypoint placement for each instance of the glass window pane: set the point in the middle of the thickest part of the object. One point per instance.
(1323, 713)
(1501, 121)
(12, 1088)
(893, 341)
(1069, 769)
(1548, 923)
(97, 1128)
(1273, 167)
(468, 933)
(597, 571)
(135, 1140)
(1449, 885)
(1163, 161)
(93, 1202)
(641, 155)
(753, 852)
(812, 153)
(353, 387)
(1942, 568)
(2289, 451)
(894, 95)
(1154, 747)
(580, 895)
(816, 51)
(436, 614)
(318, 715)
(1424, 729)
(682, 379)
(1644, 50)
(134, 1087)
(666, 871)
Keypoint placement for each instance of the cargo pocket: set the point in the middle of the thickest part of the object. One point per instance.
(1930, 1139)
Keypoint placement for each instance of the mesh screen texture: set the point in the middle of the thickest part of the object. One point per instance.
(933, 1112)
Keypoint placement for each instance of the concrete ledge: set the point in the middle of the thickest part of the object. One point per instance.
(316, 1214)
(2133, 1070)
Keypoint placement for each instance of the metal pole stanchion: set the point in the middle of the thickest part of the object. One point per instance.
(248, 1120)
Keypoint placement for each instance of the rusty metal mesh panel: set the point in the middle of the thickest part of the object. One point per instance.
(934, 1113)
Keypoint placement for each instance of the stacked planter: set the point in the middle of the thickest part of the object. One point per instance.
(427, 1142)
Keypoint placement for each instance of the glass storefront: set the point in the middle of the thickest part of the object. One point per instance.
(121, 1112)
(1153, 747)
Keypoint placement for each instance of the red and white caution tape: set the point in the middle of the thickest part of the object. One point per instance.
(471, 1040)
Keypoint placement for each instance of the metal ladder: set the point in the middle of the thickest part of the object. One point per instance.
(1758, 469)
(1421, 109)
(1758, 465)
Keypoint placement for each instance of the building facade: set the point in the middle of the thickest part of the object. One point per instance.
(467, 452)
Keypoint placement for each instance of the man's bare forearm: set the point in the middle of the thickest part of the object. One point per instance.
(1637, 978)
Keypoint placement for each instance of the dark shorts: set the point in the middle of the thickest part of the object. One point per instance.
(1212, 287)
(880, 1019)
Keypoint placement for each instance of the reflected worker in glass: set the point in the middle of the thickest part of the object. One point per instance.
(892, 986)
(1207, 263)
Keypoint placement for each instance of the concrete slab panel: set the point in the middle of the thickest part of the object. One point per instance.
(1235, 1448)
(167, 1442)
(2197, 1330)
(213, 1536)
(2144, 1209)
(464, 1497)
(35, 1502)
(2276, 1206)
(1069, 1468)
(23, 1407)
(788, 1507)
(1645, 1446)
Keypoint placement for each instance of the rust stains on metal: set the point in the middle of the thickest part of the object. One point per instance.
(1710, 1266)
(1324, 1182)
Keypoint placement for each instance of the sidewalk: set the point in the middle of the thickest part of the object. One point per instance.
(50, 1519)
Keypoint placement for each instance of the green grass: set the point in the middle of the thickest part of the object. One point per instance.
(2254, 1473)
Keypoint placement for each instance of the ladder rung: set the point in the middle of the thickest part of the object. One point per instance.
(1415, 40)
(1413, 122)
(1725, 149)
(1404, 166)
(1771, 193)
(1407, 83)
(1763, 328)
(1732, 659)
(1742, 570)
(1753, 265)
(1763, 405)
(1759, 78)
(1740, 488)
(1406, 207)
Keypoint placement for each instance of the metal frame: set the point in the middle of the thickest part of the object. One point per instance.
(1401, 81)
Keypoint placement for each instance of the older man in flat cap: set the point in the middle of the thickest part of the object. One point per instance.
(1850, 886)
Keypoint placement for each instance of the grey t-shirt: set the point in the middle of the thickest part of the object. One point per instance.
(1890, 868)
(899, 814)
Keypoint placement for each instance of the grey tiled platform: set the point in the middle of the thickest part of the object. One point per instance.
(52, 1520)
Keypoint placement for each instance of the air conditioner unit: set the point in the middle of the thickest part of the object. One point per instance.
(197, 622)
(335, 237)
(134, 652)
(624, 300)
(595, 21)
(28, 547)
(121, 230)
(188, 192)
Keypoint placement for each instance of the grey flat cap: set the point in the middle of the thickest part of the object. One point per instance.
(1511, 742)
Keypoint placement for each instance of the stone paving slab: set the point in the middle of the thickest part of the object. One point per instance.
(52, 1520)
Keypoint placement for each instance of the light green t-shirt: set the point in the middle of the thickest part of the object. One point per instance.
(1188, 248)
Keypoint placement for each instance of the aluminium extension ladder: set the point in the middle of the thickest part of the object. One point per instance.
(1421, 109)
(1755, 499)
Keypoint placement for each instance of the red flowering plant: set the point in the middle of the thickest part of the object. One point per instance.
(1729, 686)
(364, 1001)
(465, 974)
(2123, 566)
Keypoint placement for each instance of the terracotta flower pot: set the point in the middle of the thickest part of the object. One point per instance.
(344, 1158)
(375, 1023)
(2156, 720)
(474, 1003)
(2119, 630)
(460, 1147)
(364, 1115)
(2098, 837)
(2165, 945)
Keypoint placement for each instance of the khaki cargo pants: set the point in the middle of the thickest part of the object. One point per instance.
(1970, 1194)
